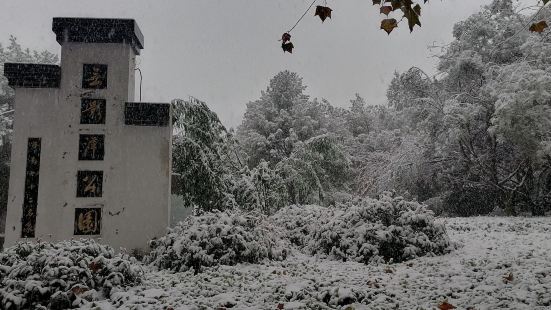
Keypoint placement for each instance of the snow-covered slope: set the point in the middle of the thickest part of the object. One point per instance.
(499, 263)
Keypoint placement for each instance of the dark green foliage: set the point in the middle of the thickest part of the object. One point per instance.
(202, 157)
(470, 201)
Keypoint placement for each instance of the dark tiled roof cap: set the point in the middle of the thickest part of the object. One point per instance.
(98, 30)
(27, 75)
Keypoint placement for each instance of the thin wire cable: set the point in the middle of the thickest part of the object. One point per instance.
(306, 12)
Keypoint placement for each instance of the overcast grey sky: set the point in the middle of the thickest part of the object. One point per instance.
(225, 51)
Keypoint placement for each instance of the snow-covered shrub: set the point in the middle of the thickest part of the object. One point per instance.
(62, 275)
(436, 205)
(298, 223)
(218, 238)
(366, 230)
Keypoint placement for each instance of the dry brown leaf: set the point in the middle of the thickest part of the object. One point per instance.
(95, 267)
(323, 12)
(77, 290)
(539, 27)
(508, 278)
(446, 306)
(287, 47)
(286, 37)
(389, 24)
(386, 10)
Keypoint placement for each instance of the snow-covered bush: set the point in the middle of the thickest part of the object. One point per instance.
(62, 275)
(218, 238)
(366, 230)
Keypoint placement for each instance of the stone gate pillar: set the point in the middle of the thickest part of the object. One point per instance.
(87, 161)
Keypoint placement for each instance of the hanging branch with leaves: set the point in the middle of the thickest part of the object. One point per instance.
(410, 10)
(322, 11)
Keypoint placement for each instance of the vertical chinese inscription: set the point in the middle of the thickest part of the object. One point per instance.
(89, 183)
(92, 111)
(91, 147)
(30, 198)
(87, 221)
(94, 76)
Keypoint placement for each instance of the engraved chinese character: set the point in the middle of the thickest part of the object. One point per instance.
(91, 147)
(87, 221)
(90, 187)
(28, 230)
(92, 111)
(34, 145)
(89, 183)
(95, 79)
(94, 76)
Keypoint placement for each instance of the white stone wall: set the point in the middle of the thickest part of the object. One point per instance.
(136, 166)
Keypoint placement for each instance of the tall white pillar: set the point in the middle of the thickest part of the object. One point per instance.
(87, 161)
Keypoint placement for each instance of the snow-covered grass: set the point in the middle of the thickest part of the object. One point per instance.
(498, 263)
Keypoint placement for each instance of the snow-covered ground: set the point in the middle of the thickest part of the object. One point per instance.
(499, 263)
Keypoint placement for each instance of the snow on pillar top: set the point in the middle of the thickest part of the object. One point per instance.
(98, 30)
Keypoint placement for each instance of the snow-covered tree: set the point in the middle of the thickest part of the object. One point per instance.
(267, 132)
(521, 125)
(358, 117)
(286, 134)
(209, 169)
(477, 135)
(203, 157)
(492, 142)
(269, 188)
(282, 117)
(316, 169)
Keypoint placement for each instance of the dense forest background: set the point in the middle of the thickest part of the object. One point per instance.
(474, 138)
